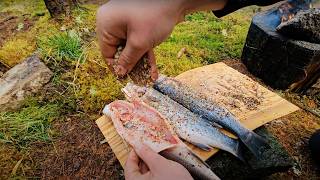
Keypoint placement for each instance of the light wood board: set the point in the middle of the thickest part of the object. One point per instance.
(253, 104)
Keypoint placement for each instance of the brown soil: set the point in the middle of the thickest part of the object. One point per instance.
(293, 132)
(77, 153)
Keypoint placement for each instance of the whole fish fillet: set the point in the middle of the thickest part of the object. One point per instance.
(140, 124)
(190, 99)
(185, 123)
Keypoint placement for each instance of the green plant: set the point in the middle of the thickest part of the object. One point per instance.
(61, 46)
(28, 125)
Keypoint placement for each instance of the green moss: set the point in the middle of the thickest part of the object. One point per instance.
(23, 44)
(15, 51)
(95, 84)
(28, 125)
(85, 20)
(19, 7)
(208, 39)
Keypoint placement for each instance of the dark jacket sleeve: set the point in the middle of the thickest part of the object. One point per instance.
(233, 5)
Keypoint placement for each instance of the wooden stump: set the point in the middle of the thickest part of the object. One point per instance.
(279, 61)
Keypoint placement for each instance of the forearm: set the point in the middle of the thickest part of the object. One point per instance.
(190, 6)
(233, 5)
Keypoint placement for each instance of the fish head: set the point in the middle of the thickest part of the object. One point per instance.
(106, 110)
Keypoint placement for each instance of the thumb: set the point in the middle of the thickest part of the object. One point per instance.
(129, 57)
(132, 168)
(154, 161)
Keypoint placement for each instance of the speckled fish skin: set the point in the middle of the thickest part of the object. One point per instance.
(210, 111)
(150, 128)
(185, 123)
(197, 168)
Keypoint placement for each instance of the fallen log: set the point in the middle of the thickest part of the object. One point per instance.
(22, 80)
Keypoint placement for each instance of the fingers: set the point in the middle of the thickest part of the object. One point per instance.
(108, 35)
(129, 57)
(153, 65)
(108, 47)
(132, 168)
(152, 159)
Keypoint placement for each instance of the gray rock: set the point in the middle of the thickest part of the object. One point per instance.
(305, 25)
(22, 80)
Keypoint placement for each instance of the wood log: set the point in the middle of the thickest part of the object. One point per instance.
(22, 80)
(279, 61)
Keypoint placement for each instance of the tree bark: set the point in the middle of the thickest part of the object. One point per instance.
(57, 8)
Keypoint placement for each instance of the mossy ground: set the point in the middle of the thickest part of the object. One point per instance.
(82, 84)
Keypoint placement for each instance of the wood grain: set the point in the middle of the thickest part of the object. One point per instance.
(221, 84)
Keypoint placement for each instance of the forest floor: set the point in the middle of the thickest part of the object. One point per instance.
(54, 134)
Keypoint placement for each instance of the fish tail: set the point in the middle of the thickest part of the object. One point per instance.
(235, 148)
(196, 166)
(239, 151)
(255, 143)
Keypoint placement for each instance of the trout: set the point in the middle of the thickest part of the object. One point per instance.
(139, 124)
(188, 126)
(190, 99)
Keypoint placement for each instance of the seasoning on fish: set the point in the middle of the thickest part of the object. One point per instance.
(140, 124)
(190, 99)
(141, 73)
(186, 124)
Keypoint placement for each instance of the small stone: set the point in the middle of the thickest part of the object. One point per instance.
(22, 80)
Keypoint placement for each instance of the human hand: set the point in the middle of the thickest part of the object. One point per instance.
(153, 166)
(141, 25)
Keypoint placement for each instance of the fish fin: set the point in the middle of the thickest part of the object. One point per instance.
(199, 159)
(255, 143)
(239, 151)
(216, 125)
(202, 146)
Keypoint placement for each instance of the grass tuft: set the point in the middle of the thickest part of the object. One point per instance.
(28, 125)
(61, 46)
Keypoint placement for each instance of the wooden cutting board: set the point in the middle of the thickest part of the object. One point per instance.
(252, 103)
